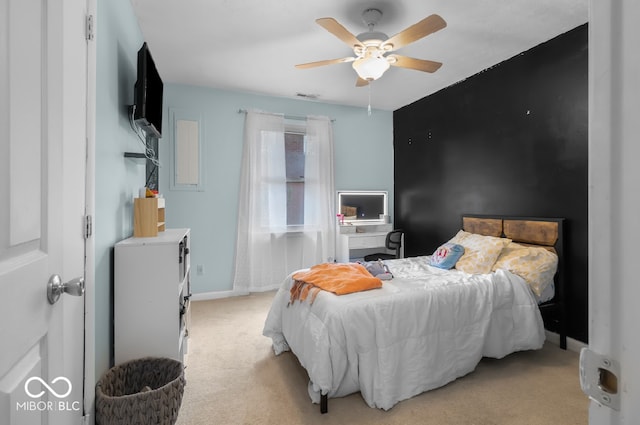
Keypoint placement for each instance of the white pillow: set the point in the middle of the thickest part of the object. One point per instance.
(536, 265)
(480, 252)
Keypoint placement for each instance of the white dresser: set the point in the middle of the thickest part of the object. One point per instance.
(151, 296)
(353, 241)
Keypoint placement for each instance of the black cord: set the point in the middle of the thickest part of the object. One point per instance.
(149, 152)
(154, 171)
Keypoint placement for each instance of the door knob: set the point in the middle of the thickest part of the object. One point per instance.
(55, 288)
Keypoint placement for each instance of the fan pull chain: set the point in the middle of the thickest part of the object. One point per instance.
(369, 107)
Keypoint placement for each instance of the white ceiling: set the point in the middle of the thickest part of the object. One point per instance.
(253, 45)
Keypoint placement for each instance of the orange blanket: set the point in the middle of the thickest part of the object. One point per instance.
(339, 278)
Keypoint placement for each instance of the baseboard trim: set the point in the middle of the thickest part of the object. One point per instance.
(204, 296)
(572, 344)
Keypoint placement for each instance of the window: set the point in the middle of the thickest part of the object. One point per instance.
(286, 208)
(294, 146)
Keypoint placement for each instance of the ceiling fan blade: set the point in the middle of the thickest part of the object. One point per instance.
(361, 82)
(427, 26)
(324, 62)
(335, 28)
(413, 63)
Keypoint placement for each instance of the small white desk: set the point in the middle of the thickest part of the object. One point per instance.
(361, 237)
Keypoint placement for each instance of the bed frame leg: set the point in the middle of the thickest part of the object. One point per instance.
(324, 403)
(563, 340)
(563, 327)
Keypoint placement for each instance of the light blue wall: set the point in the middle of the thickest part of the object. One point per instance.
(117, 179)
(363, 160)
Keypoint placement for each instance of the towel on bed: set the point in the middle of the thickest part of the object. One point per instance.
(338, 278)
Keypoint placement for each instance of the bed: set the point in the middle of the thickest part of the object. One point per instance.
(425, 327)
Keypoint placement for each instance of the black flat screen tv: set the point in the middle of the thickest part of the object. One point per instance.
(148, 94)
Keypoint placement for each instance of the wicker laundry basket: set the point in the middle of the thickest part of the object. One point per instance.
(140, 392)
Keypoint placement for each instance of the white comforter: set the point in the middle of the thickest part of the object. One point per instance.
(421, 330)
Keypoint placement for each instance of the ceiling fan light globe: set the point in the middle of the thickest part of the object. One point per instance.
(370, 68)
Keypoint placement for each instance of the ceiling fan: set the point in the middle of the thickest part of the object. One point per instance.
(371, 47)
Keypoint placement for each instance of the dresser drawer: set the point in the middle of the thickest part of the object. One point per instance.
(366, 241)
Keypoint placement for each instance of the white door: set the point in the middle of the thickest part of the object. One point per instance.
(614, 208)
(42, 189)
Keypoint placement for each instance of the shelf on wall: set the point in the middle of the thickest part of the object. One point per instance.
(134, 155)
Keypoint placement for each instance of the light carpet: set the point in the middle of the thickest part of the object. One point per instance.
(233, 377)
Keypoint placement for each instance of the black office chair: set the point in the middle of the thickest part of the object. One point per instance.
(394, 242)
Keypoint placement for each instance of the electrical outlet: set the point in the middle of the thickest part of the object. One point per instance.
(199, 269)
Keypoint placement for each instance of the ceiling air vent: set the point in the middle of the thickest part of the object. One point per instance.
(308, 96)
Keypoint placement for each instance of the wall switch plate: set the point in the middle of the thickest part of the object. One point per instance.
(199, 269)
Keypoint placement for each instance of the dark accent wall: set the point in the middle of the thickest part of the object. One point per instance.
(511, 140)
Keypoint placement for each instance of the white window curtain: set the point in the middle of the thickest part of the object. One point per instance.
(267, 250)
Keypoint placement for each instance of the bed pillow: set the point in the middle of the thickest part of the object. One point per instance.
(536, 265)
(480, 252)
(446, 256)
(459, 236)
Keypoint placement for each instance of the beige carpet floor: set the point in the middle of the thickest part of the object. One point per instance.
(233, 377)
